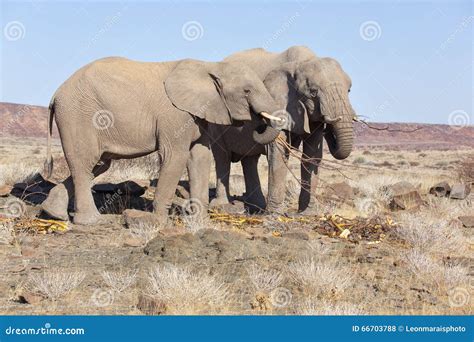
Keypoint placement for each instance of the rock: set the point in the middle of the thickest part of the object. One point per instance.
(132, 241)
(403, 196)
(150, 306)
(134, 217)
(460, 191)
(467, 221)
(441, 189)
(341, 191)
(29, 298)
(5, 190)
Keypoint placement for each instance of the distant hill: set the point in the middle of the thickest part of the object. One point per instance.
(17, 120)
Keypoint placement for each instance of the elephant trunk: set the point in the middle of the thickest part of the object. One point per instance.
(338, 115)
(265, 134)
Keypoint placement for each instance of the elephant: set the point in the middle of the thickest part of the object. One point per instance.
(312, 95)
(116, 108)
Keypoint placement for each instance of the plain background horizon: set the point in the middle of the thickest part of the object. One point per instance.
(409, 61)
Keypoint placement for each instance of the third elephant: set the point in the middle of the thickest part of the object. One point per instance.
(312, 95)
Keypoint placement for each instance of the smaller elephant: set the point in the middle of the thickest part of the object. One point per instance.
(115, 108)
(313, 101)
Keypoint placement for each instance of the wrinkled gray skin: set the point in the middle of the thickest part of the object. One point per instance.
(312, 95)
(116, 108)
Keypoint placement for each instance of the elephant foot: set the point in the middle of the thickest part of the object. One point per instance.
(55, 208)
(310, 211)
(87, 218)
(218, 201)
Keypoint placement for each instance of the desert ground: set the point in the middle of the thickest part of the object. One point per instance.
(381, 243)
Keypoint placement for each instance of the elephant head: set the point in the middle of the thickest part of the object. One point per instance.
(222, 93)
(316, 91)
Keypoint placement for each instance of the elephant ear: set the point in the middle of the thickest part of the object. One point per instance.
(281, 85)
(194, 88)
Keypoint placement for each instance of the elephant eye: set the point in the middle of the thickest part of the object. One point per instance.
(349, 90)
(247, 92)
(313, 92)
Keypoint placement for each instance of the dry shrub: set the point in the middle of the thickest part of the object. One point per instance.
(439, 276)
(17, 173)
(466, 169)
(322, 276)
(446, 209)
(145, 231)
(195, 223)
(186, 292)
(323, 308)
(264, 280)
(54, 284)
(146, 167)
(431, 236)
(120, 280)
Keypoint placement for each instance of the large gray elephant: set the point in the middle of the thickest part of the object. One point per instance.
(312, 95)
(115, 108)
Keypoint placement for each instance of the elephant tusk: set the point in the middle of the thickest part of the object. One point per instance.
(270, 117)
(331, 121)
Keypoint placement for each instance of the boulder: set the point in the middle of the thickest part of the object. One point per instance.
(403, 196)
(5, 190)
(133, 217)
(460, 191)
(150, 306)
(340, 191)
(29, 298)
(441, 189)
(467, 221)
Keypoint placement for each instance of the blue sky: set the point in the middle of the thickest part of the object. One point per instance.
(409, 61)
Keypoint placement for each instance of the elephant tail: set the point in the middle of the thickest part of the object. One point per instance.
(48, 165)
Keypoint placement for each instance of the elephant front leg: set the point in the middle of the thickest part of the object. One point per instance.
(313, 152)
(277, 170)
(199, 165)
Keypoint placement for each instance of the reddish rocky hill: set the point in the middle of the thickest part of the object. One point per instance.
(17, 120)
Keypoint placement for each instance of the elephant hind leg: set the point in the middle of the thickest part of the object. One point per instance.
(223, 163)
(254, 198)
(57, 202)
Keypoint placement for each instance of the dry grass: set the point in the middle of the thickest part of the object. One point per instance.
(324, 308)
(17, 173)
(264, 280)
(322, 277)
(430, 235)
(185, 292)
(144, 231)
(54, 284)
(120, 280)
